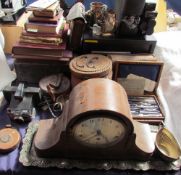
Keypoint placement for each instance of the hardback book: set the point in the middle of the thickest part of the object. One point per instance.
(41, 40)
(41, 4)
(36, 19)
(61, 33)
(50, 11)
(67, 55)
(38, 49)
(39, 34)
(45, 27)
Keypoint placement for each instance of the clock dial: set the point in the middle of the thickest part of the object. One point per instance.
(99, 132)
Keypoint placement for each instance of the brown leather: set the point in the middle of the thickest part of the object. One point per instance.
(77, 30)
(9, 139)
(55, 84)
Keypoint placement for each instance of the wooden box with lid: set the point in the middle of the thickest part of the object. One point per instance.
(140, 76)
(90, 66)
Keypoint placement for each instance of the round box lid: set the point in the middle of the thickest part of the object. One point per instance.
(91, 65)
(9, 139)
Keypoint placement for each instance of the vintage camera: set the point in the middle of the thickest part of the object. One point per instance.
(22, 101)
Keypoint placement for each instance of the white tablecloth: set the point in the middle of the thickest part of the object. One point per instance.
(6, 75)
(168, 49)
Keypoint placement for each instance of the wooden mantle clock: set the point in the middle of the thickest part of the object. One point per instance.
(96, 124)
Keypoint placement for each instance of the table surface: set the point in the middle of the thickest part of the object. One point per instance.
(12, 32)
(9, 163)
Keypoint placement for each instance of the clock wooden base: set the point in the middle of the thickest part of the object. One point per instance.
(96, 124)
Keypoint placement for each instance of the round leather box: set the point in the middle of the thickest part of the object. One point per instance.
(9, 139)
(90, 66)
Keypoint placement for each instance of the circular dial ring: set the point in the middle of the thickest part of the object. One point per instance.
(99, 131)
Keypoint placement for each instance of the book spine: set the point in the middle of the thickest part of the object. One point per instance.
(32, 27)
(41, 40)
(50, 14)
(34, 57)
(38, 20)
(18, 50)
(40, 34)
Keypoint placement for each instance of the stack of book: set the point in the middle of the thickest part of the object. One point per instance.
(44, 37)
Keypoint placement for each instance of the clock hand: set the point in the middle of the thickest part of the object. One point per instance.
(90, 137)
(105, 138)
(99, 132)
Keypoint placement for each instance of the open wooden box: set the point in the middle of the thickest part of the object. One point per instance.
(140, 79)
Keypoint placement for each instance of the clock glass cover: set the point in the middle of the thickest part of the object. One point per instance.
(99, 131)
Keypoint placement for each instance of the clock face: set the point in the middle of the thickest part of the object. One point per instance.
(99, 132)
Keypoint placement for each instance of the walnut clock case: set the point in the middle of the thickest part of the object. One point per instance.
(96, 124)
